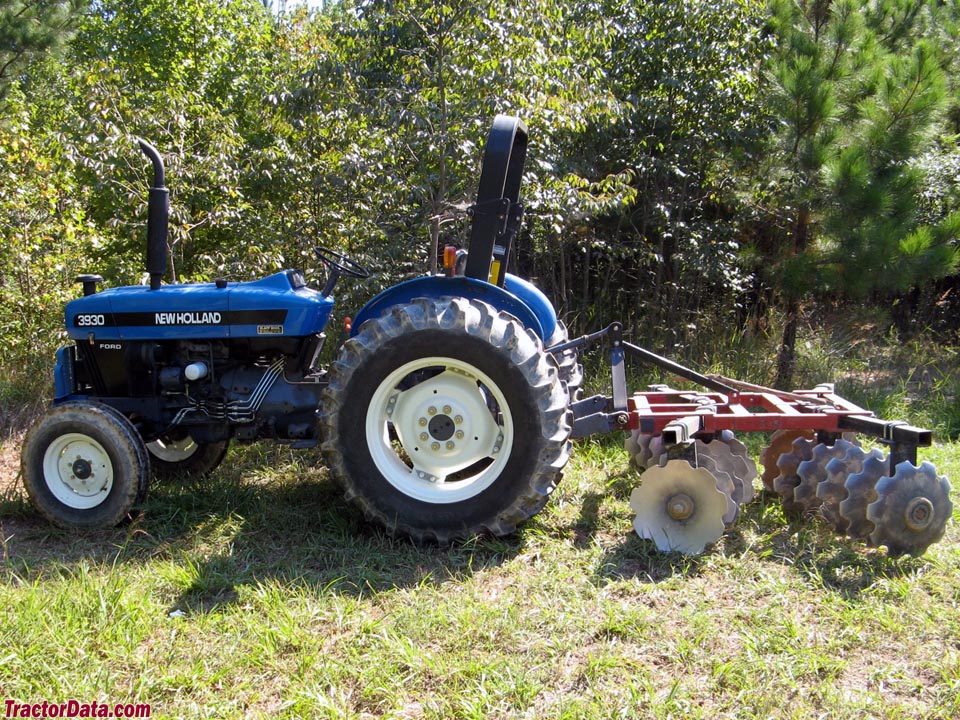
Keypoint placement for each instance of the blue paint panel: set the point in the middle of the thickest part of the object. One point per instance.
(534, 299)
(63, 379)
(200, 311)
(439, 286)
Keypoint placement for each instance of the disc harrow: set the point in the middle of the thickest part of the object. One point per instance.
(786, 483)
(861, 491)
(780, 442)
(696, 474)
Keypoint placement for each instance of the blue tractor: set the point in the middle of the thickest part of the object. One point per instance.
(449, 410)
(443, 416)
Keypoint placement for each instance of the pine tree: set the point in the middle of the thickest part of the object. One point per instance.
(28, 27)
(855, 93)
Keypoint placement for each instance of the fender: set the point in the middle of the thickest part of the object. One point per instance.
(64, 384)
(520, 298)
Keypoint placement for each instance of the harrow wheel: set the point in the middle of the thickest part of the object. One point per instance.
(445, 419)
(745, 469)
(911, 510)
(679, 507)
(780, 442)
(637, 446)
(732, 456)
(725, 484)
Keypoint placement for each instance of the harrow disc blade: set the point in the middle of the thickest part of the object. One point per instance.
(832, 491)
(725, 484)
(745, 469)
(780, 442)
(812, 472)
(911, 510)
(637, 445)
(788, 480)
(861, 491)
(729, 461)
(657, 451)
(679, 507)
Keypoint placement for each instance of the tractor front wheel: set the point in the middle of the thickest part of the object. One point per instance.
(444, 419)
(84, 466)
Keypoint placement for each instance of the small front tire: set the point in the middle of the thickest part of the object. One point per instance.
(84, 466)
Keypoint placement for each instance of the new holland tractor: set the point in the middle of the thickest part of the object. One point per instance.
(449, 410)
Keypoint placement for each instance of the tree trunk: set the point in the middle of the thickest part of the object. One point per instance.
(787, 357)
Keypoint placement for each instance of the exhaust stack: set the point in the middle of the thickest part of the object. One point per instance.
(158, 213)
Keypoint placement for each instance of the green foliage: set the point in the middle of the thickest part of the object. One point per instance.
(689, 162)
(855, 93)
(29, 28)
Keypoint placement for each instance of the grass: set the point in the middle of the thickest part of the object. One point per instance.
(260, 593)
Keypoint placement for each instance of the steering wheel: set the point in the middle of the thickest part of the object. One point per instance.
(341, 262)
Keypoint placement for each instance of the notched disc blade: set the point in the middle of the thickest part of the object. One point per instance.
(731, 456)
(832, 491)
(637, 445)
(911, 510)
(812, 472)
(788, 479)
(679, 507)
(861, 491)
(780, 442)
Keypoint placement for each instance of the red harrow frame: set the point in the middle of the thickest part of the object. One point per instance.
(693, 487)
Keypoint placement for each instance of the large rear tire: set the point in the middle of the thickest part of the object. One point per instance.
(568, 362)
(84, 466)
(444, 419)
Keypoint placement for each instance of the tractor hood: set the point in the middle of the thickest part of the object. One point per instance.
(279, 304)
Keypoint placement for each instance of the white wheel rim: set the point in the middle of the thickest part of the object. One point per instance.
(78, 471)
(451, 446)
(173, 451)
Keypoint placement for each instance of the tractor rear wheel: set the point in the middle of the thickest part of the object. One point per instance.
(84, 466)
(444, 419)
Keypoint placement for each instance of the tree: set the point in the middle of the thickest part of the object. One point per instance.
(853, 91)
(30, 27)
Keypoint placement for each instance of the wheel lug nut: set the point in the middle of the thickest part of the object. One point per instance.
(459, 435)
(450, 445)
(435, 446)
(424, 436)
(458, 419)
(423, 422)
(431, 411)
(447, 409)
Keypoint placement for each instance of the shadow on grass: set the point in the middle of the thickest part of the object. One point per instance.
(246, 525)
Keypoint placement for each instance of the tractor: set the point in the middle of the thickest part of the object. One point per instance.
(450, 408)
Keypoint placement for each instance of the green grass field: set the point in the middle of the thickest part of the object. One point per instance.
(260, 593)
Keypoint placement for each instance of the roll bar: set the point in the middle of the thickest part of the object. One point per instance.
(498, 210)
